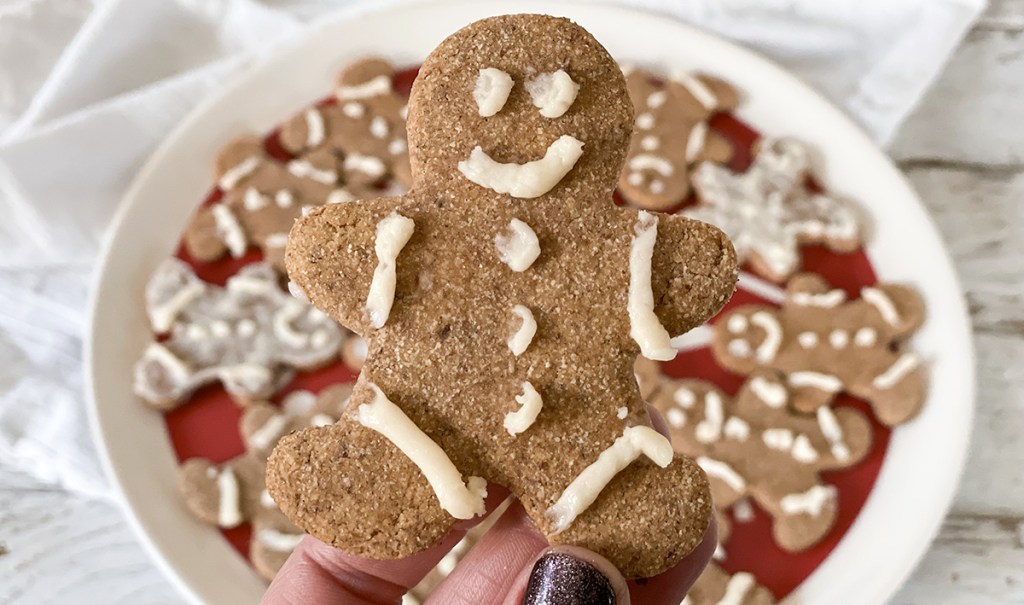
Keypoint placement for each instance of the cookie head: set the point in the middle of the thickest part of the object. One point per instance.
(529, 106)
(752, 337)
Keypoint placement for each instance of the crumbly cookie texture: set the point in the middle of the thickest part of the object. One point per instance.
(250, 335)
(231, 493)
(431, 279)
(770, 213)
(826, 342)
(671, 134)
(756, 445)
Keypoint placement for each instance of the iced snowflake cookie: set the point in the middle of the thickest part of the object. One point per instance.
(826, 343)
(250, 335)
(261, 200)
(769, 212)
(504, 300)
(365, 128)
(229, 494)
(756, 445)
(671, 135)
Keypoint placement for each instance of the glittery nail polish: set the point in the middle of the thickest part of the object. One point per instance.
(561, 579)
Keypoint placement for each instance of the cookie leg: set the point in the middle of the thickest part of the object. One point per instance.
(351, 488)
(633, 511)
(803, 511)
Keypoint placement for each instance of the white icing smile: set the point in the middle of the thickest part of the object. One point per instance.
(529, 180)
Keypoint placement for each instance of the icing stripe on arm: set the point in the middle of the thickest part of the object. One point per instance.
(460, 500)
(635, 441)
(393, 232)
(644, 326)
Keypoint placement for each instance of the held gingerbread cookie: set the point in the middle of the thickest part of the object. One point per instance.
(250, 335)
(825, 343)
(262, 199)
(671, 135)
(769, 212)
(754, 444)
(366, 127)
(229, 494)
(504, 300)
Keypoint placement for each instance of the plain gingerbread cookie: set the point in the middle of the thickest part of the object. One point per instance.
(504, 300)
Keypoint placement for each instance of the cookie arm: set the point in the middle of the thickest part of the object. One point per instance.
(694, 272)
(331, 257)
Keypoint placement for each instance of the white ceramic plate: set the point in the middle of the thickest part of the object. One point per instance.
(924, 459)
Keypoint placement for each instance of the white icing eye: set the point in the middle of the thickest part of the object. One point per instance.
(491, 92)
(552, 93)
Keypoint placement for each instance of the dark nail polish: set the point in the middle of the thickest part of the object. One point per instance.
(561, 579)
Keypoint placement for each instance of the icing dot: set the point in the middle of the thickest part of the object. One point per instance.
(621, 413)
(657, 186)
(196, 332)
(807, 339)
(635, 178)
(397, 147)
(284, 198)
(676, 418)
(246, 328)
(739, 347)
(353, 110)
(645, 121)
(737, 324)
(220, 329)
(649, 143)
(684, 398)
(839, 338)
(865, 337)
(657, 99)
(379, 127)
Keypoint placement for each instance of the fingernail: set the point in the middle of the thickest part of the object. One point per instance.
(561, 579)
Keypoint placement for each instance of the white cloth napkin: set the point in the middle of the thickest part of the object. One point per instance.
(88, 88)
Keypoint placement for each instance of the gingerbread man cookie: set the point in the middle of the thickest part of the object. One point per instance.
(671, 135)
(366, 127)
(261, 200)
(250, 335)
(229, 494)
(504, 300)
(825, 343)
(769, 212)
(755, 445)
(718, 587)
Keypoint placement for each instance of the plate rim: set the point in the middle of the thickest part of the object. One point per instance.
(883, 586)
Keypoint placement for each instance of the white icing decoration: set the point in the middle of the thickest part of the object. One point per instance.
(645, 121)
(648, 161)
(883, 304)
(196, 332)
(220, 329)
(584, 489)
(635, 178)
(736, 428)
(447, 564)
(739, 347)
(622, 412)
(379, 127)
(644, 326)
(282, 323)
(722, 471)
(828, 300)
(778, 439)
(839, 338)
(865, 337)
(519, 248)
(229, 512)
(163, 316)
(314, 127)
(253, 200)
(397, 147)
(305, 170)
(491, 91)
(279, 541)
(676, 418)
(530, 404)
(770, 392)
(380, 85)
(736, 324)
(900, 368)
(649, 143)
(340, 196)
(695, 142)
(367, 164)
(229, 180)
(657, 186)
(552, 93)
(393, 232)
(737, 588)
(529, 180)
(766, 351)
(524, 335)
(807, 340)
(697, 89)
(803, 451)
(284, 198)
(817, 380)
(684, 398)
(811, 502)
(276, 240)
(460, 500)
(268, 434)
(743, 511)
(266, 500)
(656, 99)
(833, 433)
(353, 110)
(230, 230)
(710, 428)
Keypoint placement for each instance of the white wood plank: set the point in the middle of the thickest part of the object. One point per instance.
(974, 561)
(973, 113)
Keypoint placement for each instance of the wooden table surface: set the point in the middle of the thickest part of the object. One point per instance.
(963, 150)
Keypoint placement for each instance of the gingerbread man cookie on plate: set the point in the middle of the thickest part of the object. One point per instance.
(504, 300)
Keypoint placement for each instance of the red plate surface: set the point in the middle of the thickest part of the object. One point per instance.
(208, 426)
